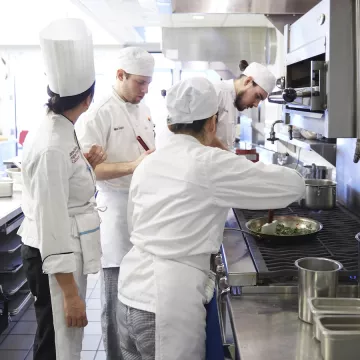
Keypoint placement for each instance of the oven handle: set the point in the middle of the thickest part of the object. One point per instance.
(289, 95)
(225, 307)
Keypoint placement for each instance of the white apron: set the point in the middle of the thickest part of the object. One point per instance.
(181, 292)
(115, 239)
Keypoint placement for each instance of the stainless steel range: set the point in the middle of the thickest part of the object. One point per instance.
(275, 262)
(260, 278)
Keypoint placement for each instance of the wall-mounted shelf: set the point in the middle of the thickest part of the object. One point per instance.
(325, 149)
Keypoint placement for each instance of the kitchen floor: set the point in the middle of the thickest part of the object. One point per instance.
(17, 340)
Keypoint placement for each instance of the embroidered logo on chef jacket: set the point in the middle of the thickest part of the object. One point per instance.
(118, 128)
(75, 155)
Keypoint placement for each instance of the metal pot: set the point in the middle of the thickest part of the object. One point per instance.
(319, 194)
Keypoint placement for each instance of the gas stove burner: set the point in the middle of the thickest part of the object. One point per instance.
(336, 241)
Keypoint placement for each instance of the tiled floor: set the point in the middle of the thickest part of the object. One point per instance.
(17, 340)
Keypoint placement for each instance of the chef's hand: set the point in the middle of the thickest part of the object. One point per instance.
(75, 311)
(136, 163)
(95, 156)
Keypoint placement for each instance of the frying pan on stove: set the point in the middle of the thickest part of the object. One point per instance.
(253, 227)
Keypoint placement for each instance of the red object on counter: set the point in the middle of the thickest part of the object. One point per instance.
(22, 136)
(251, 154)
(142, 143)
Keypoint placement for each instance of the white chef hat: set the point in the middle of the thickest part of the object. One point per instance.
(261, 75)
(136, 61)
(191, 100)
(67, 50)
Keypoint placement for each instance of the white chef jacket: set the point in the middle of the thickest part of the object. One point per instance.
(114, 124)
(225, 131)
(57, 184)
(178, 203)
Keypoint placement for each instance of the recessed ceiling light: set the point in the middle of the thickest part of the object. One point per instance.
(198, 17)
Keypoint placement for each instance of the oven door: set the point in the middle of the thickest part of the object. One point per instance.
(308, 79)
(305, 87)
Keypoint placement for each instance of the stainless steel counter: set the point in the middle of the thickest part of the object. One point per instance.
(267, 327)
(10, 207)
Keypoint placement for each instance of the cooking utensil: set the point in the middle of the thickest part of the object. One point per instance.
(318, 277)
(253, 226)
(340, 337)
(142, 143)
(270, 227)
(319, 194)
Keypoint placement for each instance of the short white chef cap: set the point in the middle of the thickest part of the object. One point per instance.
(136, 61)
(261, 75)
(191, 100)
(67, 49)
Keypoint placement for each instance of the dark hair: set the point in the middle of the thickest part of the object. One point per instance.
(196, 128)
(59, 104)
(243, 65)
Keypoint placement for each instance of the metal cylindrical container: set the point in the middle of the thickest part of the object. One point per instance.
(319, 195)
(318, 277)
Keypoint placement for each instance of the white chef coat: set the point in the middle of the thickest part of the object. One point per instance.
(225, 131)
(178, 203)
(58, 184)
(114, 124)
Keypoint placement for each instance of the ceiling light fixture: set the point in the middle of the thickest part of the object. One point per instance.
(198, 17)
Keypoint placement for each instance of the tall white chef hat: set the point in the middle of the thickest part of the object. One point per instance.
(191, 100)
(67, 50)
(136, 61)
(261, 75)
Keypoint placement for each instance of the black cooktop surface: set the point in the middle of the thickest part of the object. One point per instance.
(335, 241)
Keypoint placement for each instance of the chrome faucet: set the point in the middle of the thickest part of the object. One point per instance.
(272, 137)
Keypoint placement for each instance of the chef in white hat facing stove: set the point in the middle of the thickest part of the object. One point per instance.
(178, 203)
(60, 232)
(247, 91)
(253, 86)
(116, 122)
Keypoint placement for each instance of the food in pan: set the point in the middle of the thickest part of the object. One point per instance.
(283, 230)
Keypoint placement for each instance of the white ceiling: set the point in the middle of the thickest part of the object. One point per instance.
(22, 20)
(119, 17)
(111, 21)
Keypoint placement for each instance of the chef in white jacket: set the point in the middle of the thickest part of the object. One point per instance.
(115, 122)
(178, 202)
(60, 232)
(247, 91)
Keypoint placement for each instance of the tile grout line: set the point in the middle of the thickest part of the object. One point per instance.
(29, 352)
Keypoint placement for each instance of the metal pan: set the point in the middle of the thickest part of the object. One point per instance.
(253, 226)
